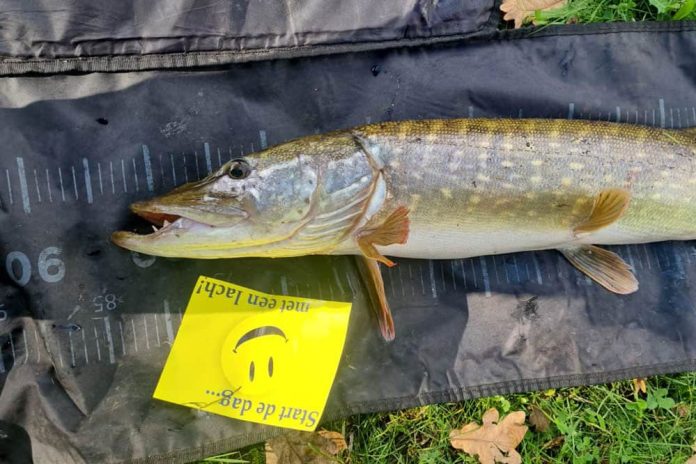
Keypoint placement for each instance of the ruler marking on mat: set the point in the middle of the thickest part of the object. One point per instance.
(484, 273)
(96, 341)
(168, 323)
(84, 345)
(26, 346)
(113, 184)
(24, 189)
(123, 341)
(36, 182)
(123, 176)
(9, 185)
(135, 337)
(157, 334)
(147, 162)
(38, 350)
(171, 160)
(48, 187)
(208, 158)
(109, 340)
(147, 335)
(72, 349)
(135, 176)
(662, 113)
(74, 179)
(431, 275)
(99, 174)
(161, 169)
(186, 176)
(88, 180)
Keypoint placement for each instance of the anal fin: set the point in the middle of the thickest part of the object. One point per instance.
(602, 266)
(394, 230)
(609, 205)
(371, 275)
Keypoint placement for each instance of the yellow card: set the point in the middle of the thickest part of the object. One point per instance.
(253, 356)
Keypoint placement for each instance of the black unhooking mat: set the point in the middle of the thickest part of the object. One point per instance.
(85, 327)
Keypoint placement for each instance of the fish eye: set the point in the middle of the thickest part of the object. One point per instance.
(239, 169)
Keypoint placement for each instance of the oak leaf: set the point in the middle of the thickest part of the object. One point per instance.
(538, 419)
(305, 448)
(520, 10)
(494, 441)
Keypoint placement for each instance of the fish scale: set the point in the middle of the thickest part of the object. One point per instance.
(496, 186)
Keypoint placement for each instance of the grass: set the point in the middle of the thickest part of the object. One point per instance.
(600, 424)
(604, 11)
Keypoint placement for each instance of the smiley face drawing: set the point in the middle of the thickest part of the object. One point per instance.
(255, 356)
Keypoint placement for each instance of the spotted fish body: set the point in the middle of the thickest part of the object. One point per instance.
(480, 187)
(439, 189)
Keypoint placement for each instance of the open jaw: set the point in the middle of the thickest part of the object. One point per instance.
(165, 226)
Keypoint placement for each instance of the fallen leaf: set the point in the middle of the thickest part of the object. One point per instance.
(554, 443)
(494, 441)
(538, 419)
(337, 440)
(683, 410)
(305, 448)
(639, 384)
(520, 10)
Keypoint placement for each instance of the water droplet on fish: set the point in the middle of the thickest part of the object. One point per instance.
(376, 69)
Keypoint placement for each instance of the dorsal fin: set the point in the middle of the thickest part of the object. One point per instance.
(609, 205)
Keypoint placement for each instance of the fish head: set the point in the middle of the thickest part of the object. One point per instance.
(254, 205)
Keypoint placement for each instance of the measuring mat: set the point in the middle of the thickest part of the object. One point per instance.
(87, 330)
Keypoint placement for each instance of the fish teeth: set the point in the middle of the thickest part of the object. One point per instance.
(154, 228)
(166, 223)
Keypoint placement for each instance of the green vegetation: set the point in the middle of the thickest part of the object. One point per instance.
(602, 11)
(600, 424)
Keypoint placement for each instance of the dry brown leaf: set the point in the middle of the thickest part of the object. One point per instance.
(538, 419)
(305, 448)
(337, 440)
(683, 410)
(640, 384)
(494, 441)
(554, 443)
(520, 10)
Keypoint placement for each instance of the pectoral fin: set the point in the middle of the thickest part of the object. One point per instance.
(371, 275)
(604, 267)
(394, 230)
(609, 206)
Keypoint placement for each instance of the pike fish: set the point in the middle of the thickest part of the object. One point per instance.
(439, 189)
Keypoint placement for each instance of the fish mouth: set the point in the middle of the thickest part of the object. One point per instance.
(168, 222)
